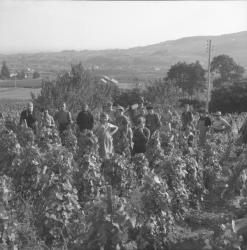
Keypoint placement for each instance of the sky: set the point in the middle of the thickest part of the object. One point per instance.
(34, 26)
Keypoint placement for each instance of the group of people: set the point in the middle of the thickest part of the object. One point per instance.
(203, 125)
(122, 129)
(118, 131)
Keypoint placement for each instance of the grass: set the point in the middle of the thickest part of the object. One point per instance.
(26, 83)
(17, 93)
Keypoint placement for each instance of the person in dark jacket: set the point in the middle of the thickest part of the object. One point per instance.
(140, 137)
(203, 126)
(63, 118)
(85, 118)
(28, 118)
(153, 122)
(186, 117)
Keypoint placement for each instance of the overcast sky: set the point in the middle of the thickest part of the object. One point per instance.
(59, 25)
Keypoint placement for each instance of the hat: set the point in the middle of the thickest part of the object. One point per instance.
(218, 113)
(119, 108)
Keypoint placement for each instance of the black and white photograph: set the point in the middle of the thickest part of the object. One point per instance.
(123, 125)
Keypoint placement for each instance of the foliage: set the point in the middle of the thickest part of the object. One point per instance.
(74, 88)
(4, 74)
(226, 69)
(162, 92)
(36, 74)
(230, 99)
(188, 77)
(128, 97)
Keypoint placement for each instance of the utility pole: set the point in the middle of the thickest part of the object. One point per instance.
(209, 74)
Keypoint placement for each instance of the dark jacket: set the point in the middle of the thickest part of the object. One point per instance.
(30, 119)
(85, 120)
(140, 140)
(153, 122)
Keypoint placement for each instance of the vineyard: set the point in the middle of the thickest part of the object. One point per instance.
(67, 197)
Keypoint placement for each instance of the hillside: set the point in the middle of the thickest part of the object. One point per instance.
(143, 62)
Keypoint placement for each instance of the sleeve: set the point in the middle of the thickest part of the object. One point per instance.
(91, 121)
(55, 117)
(52, 122)
(226, 123)
(208, 122)
(22, 117)
(78, 119)
(69, 118)
(158, 121)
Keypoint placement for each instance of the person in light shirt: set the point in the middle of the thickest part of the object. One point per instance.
(47, 120)
(220, 124)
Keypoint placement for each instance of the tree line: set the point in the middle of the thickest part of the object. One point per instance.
(19, 75)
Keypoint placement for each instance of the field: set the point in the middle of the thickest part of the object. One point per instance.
(17, 93)
(61, 197)
(26, 83)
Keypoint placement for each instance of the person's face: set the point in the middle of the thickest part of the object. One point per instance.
(119, 112)
(30, 107)
(104, 120)
(46, 112)
(150, 111)
(63, 106)
(187, 107)
(84, 107)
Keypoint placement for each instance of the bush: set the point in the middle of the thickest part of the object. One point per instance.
(230, 99)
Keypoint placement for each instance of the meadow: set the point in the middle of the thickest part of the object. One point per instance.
(25, 83)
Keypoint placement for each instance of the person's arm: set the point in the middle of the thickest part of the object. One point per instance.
(125, 126)
(52, 122)
(146, 133)
(22, 118)
(91, 121)
(69, 118)
(78, 119)
(158, 121)
(226, 123)
(113, 128)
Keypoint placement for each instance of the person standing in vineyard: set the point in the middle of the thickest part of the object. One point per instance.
(203, 126)
(104, 132)
(140, 111)
(63, 118)
(85, 118)
(220, 124)
(47, 120)
(186, 117)
(121, 138)
(28, 118)
(109, 111)
(140, 137)
(153, 122)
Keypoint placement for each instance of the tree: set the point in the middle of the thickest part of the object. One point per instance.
(74, 88)
(189, 77)
(36, 74)
(229, 99)
(21, 75)
(227, 70)
(5, 74)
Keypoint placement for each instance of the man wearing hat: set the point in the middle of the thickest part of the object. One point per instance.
(220, 124)
(123, 137)
(85, 118)
(153, 122)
